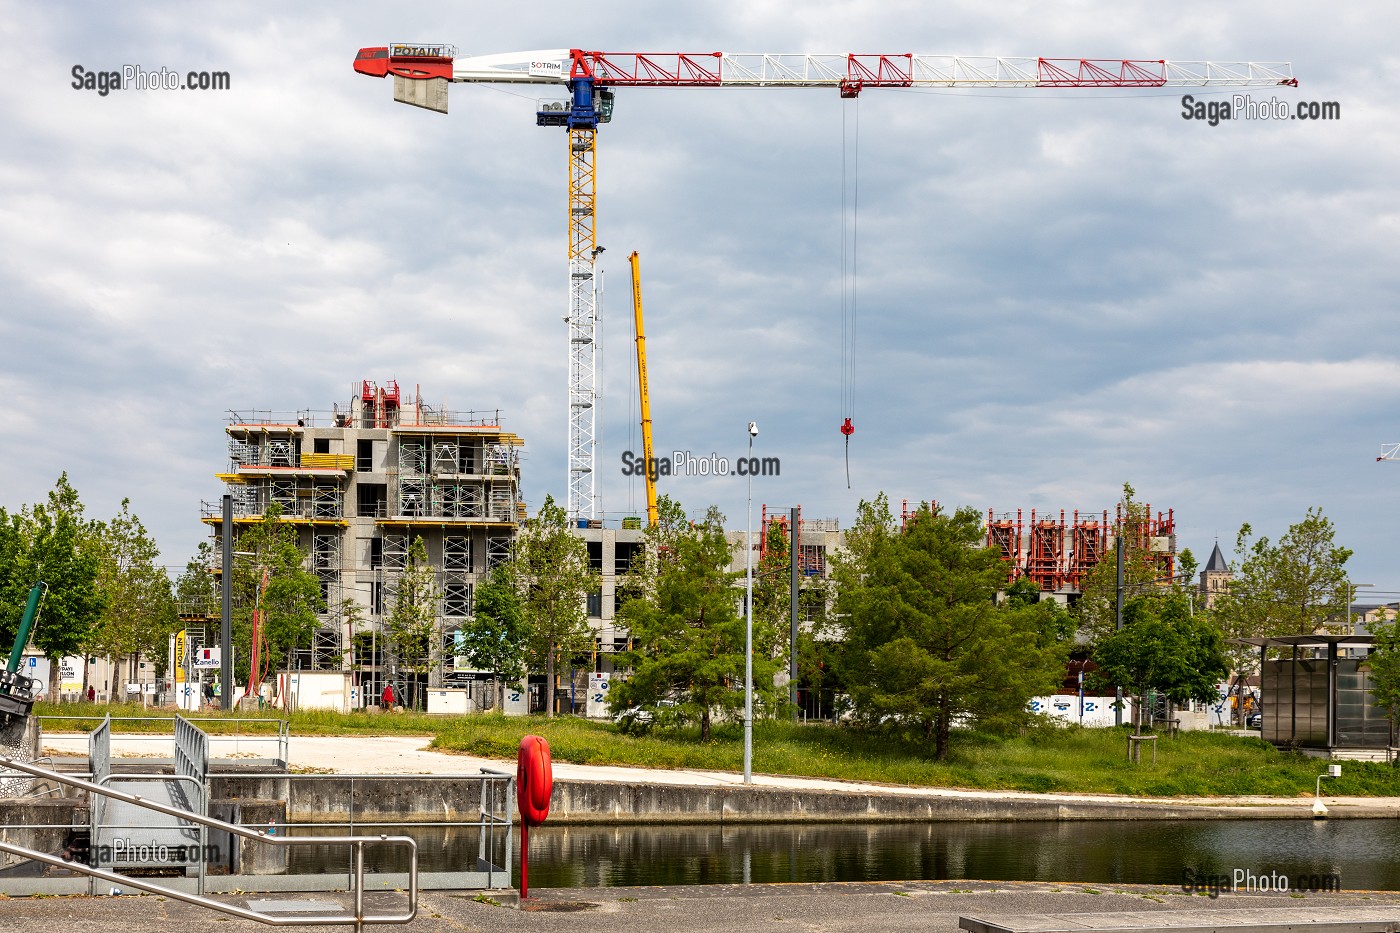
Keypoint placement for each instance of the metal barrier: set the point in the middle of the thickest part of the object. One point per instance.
(358, 918)
(496, 795)
(192, 759)
(100, 764)
(280, 738)
(490, 820)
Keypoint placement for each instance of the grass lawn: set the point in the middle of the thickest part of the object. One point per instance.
(1066, 760)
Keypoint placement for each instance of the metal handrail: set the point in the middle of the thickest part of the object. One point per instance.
(359, 842)
(281, 736)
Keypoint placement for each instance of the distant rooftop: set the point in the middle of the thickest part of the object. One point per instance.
(1217, 563)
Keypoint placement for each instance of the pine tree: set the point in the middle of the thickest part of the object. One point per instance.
(926, 644)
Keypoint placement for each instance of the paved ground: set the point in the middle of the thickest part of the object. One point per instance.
(400, 754)
(867, 908)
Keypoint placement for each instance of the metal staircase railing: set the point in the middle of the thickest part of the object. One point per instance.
(358, 918)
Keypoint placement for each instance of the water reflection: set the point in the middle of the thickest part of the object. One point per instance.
(1364, 853)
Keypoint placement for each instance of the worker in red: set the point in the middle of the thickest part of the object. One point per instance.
(386, 699)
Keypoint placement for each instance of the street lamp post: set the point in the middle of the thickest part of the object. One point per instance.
(748, 621)
(1118, 620)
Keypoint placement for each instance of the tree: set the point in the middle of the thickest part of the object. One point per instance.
(553, 579)
(1097, 607)
(1163, 648)
(63, 552)
(196, 590)
(1052, 622)
(289, 601)
(138, 612)
(688, 633)
(1293, 587)
(410, 627)
(772, 597)
(496, 639)
(1384, 661)
(926, 644)
(15, 574)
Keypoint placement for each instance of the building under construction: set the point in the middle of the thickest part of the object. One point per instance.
(360, 483)
(1057, 550)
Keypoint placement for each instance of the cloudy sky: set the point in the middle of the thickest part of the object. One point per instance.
(1058, 291)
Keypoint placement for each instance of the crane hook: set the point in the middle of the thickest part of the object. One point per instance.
(847, 428)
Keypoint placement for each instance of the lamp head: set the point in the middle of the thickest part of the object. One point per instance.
(753, 429)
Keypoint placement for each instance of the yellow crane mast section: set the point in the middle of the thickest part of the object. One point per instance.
(642, 388)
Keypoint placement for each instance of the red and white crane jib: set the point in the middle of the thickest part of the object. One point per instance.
(850, 72)
(853, 71)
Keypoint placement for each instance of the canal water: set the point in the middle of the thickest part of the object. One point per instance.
(1362, 854)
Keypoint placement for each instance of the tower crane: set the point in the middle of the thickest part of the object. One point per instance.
(422, 73)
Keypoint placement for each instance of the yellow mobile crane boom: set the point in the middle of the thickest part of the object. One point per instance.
(642, 389)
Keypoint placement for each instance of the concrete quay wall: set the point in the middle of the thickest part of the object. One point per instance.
(408, 798)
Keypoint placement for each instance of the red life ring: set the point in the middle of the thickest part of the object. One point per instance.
(534, 780)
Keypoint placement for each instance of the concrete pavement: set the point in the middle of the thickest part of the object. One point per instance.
(869, 908)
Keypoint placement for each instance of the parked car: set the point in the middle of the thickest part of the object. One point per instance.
(640, 718)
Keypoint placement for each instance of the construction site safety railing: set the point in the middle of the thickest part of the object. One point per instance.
(358, 918)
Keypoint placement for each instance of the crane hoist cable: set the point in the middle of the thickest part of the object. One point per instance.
(850, 256)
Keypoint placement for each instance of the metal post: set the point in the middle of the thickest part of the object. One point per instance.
(794, 524)
(1331, 695)
(226, 628)
(524, 858)
(1118, 621)
(748, 623)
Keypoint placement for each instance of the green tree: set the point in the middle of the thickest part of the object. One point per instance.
(138, 612)
(289, 601)
(1053, 623)
(772, 597)
(16, 574)
(688, 633)
(196, 589)
(1384, 661)
(926, 644)
(411, 625)
(1163, 648)
(553, 579)
(496, 639)
(1297, 586)
(1097, 605)
(63, 551)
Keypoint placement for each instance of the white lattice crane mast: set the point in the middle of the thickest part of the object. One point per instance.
(1389, 452)
(422, 72)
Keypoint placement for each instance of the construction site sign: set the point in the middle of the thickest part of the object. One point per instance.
(177, 650)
